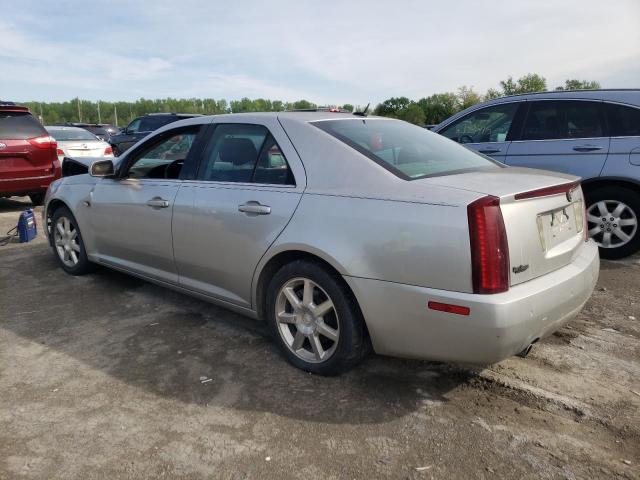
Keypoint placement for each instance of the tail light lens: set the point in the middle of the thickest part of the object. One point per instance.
(108, 151)
(60, 152)
(489, 247)
(44, 142)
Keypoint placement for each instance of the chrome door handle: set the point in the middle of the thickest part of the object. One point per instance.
(587, 148)
(158, 203)
(254, 208)
(490, 150)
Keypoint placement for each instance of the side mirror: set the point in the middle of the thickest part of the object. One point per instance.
(102, 168)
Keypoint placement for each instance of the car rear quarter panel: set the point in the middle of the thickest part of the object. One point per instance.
(405, 242)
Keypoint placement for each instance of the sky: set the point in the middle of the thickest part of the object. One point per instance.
(325, 51)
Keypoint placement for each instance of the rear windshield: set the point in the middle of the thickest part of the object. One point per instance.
(71, 134)
(19, 126)
(406, 150)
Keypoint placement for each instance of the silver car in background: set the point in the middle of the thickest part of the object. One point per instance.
(76, 142)
(594, 134)
(341, 232)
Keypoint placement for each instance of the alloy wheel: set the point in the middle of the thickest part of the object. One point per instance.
(307, 320)
(65, 237)
(611, 223)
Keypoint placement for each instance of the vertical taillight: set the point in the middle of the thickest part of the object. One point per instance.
(489, 248)
(108, 150)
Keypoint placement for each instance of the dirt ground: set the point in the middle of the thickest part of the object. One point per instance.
(107, 376)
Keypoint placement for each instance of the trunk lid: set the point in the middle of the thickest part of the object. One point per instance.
(19, 159)
(544, 225)
(82, 149)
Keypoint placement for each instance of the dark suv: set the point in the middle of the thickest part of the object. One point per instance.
(28, 158)
(141, 127)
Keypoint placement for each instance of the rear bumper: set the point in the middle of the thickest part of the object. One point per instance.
(497, 327)
(25, 185)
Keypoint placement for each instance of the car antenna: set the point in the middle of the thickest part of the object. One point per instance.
(364, 112)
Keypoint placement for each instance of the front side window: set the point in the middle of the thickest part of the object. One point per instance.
(489, 124)
(164, 159)
(134, 126)
(550, 120)
(244, 153)
(408, 151)
(623, 121)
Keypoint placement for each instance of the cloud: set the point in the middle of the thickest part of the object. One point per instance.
(329, 52)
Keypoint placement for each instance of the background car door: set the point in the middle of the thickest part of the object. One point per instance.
(562, 135)
(248, 185)
(131, 216)
(485, 130)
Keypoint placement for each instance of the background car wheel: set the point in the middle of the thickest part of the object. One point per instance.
(315, 319)
(67, 243)
(613, 215)
(37, 198)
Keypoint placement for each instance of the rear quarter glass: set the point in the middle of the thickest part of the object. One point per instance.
(19, 126)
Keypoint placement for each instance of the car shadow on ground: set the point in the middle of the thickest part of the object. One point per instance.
(15, 204)
(182, 348)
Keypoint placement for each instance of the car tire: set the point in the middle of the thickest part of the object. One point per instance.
(115, 150)
(37, 198)
(622, 208)
(67, 244)
(315, 336)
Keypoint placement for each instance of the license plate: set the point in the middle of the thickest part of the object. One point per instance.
(558, 225)
(80, 153)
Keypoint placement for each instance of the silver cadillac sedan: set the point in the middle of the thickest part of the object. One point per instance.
(342, 232)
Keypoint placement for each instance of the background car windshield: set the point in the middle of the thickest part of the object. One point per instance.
(70, 135)
(408, 151)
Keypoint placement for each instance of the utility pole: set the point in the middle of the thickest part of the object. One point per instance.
(115, 114)
(41, 116)
(79, 112)
(99, 118)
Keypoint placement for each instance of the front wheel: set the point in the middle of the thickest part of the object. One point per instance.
(612, 218)
(314, 319)
(67, 243)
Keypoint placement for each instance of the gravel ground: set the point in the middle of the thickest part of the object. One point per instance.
(107, 376)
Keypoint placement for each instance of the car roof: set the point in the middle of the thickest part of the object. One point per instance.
(59, 127)
(628, 96)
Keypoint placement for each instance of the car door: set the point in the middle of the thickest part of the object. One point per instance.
(624, 149)
(486, 130)
(131, 214)
(562, 135)
(248, 185)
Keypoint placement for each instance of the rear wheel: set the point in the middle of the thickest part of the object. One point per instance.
(314, 319)
(613, 214)
(67, 243)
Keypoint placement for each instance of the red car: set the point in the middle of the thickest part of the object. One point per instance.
(28, 157)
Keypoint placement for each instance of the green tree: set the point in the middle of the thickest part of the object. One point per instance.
(467, 97)
(438, 107)
(532, 82)
(491, 94)
(348, 106)
(391, 106)
(574, 84)
(412, 114)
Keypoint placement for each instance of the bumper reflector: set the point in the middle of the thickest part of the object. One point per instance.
(448, 308)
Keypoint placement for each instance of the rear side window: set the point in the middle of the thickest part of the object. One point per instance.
(623, 121)
(151, 123)
(550, 120)
(244, 153)
(489, 124)
(408, 151)
(19, 126)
